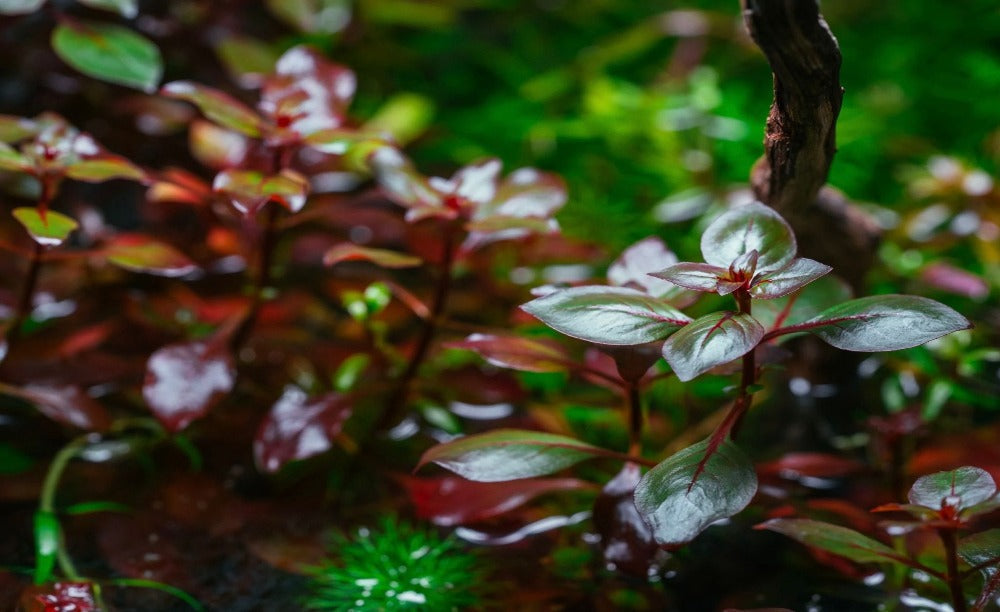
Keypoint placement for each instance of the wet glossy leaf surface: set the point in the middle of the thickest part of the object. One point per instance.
(690, 275)
(381, 257)
(49, 231)
(183, 381)
(109, 52)
(450, 500)
(824, 293)
(68, 405)
(509, 454)
(105, 168)
(677, 510)
(626, 540)
(833, 539)
(140, 253)
(745, 228)
(218, 106)
(607, 315)
(299, 427)
(515, 352)
(962, 488)
(797, 274)
(48, 534)
(885, 323)
(709, 341)
(58, 597)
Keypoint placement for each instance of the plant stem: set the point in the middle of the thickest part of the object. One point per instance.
(27, 296)
(748, 374)
(46, 502)
(953, 576)
(634, 419)
(397, 400)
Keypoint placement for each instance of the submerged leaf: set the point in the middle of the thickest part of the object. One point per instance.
(140, 253)
(217, 106)
(249, 190)
(509, 454)
(299, 427)
(833, 539)
(678, 508)
(109, 52)
(183, 381)
(711, 340)
(607, 315)
(48, 230)
(381, 257)
(515, 352)
(962, 488)
(747, 228)
(797, 274)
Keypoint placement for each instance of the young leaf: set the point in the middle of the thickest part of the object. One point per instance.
(249, 190)
(217, 106)
(11, 160)
(183, 381)
(381, 257)
(299, 427)
(110, 53)
(971, 486)
(635, 267)
(696, 276)
(884, 323)
(524, 354)
(833, 539)
(140, 253)
(677, 507)
(450, 500)
(797, 274)
(711, 340)
(247, 59)
(746, 228)
(510, 454)
(49, 231)
(607, 315)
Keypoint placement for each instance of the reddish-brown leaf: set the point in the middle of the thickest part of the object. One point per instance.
(299, 427)
(58, 597)
(183, 381)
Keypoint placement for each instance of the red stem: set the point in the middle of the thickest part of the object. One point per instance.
(634, 420)
(952, 575)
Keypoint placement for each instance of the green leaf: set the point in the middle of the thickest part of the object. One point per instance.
(48, 536)
(129, 9)
(249, 190)
(884, 323)
(140, 253)
(696, 276)
(49, 231)
(382, 257)
(747, 228)
(110, 53)
(104, 169)
(20, 7)
(607, 315)
(711, 340)
(247, 59)
(524, 354)
(799, 273)
(403, 117)
(10, 159)
(217, 106)
(509, 454)
(14, 129)
(349, 372)
(678, 507)
(833, 539)
(965, 487)
(95, 506)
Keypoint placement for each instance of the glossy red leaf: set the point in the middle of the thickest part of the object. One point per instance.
(816, 465)
(515, 352)
(183, 381)
(683, 495)
(510, 454)
(217, 106)
(450, 500)
(695, 276)
(962, 488)
(797, 274)
(58, 597)
(626, 540)
(176, 185)
(249, 190)
(401, 182)
(217, 147)
(709, 341)
(607, 315)
(634, 267)
(299, 427)
(524, 193)
(68, 405)
(382, 257)
(141, 253)
(747, 228)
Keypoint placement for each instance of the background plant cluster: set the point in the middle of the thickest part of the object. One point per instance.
(296, 296)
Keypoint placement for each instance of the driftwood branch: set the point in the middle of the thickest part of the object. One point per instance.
(800, 136)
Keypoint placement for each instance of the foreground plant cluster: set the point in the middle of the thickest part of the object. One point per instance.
(310, 320)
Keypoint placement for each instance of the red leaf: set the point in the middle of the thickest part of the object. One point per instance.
(58, 597)
(954, 280)
(140, 253)
(68, 405)
(525, 354)
(450, 500)
(299, 427)
(183, 381)
(383, 257)
(816, 465)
